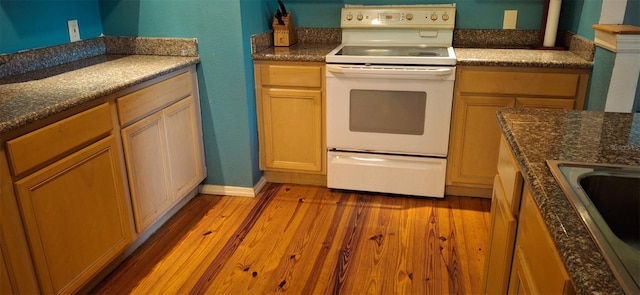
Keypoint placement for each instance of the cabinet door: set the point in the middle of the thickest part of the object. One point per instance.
(184, 143)
(5, 281)
(550, 103)
(537, 266)
(145, 154)
(502, 237)
(475, 137)
(292, 120)
(75, 215)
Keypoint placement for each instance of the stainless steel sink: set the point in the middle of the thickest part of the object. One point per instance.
(607, 198)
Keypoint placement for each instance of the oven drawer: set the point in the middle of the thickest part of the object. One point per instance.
(407, 175)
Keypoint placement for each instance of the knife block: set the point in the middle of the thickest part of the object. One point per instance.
(284, 35)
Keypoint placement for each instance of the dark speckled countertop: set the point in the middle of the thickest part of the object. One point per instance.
(39, 93)
(520, 58)
(310, 52)
(537, 135)
(472, 47)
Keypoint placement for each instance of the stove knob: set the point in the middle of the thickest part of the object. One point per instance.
(434, 17)
(445, 17)
(349, 16)
(359, 17)
(409, 16)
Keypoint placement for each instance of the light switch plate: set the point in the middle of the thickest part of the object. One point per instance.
(510, 19)
(74, 30)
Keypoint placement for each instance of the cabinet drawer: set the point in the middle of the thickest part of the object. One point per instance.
(45, 144)
(523, 83)
(291, 75)
(510, 177)
(135, 105)
(549, 103)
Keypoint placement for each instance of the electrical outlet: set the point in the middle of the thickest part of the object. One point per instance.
(74, 30)
(510, 19)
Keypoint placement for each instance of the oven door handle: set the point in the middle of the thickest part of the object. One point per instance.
(386, 71)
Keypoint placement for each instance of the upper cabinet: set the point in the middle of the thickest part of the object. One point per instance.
(479, 93)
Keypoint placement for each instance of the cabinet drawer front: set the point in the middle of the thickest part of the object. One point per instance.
(142, 102)
(510, 177)
(45, 144)
(549, 103)
(524, 83)
(295, 76)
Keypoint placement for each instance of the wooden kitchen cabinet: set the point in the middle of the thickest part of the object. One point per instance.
(162, 144)
(290, 111)
(72, 200)
(479, 93)
(505, 207)
(521, 257)
(5, 281)
(66, 207)
(537, 267)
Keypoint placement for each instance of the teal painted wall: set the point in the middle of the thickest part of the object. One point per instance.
(632, 17)
(28, 24)
(632, 13)
(600, 78)
(579, 15)
(225, 73)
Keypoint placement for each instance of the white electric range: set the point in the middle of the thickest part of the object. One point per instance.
(389, 96)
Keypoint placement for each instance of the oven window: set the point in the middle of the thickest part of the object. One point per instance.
(381, 111)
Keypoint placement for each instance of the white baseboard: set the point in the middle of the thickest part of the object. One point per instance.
(237, 191)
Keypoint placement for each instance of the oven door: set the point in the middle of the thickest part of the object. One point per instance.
(389, 109)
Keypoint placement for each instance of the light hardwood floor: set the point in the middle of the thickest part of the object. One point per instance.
(299, 239)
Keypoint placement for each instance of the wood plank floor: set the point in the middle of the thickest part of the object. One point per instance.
(299, 239)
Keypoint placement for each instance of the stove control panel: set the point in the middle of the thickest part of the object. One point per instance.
(398, 16)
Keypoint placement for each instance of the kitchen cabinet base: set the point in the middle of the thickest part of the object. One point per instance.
(468, 191)
(140, 239)
(297, 178)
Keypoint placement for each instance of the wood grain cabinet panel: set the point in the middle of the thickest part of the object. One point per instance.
(164, 151)
(50, 143)
(502, 235)
(475, 137)
(293, 75)
(521, 257)
(75, 215)
(537, 267)
(184, 145)
(5, 281)
(290, 110)
(138, 104)
(292, 129)
(479, 93)
(145, 148)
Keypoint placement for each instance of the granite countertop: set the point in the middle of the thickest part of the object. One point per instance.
(37, 94)
(465, 56)
(536, 135)
(472, 48)
(520, 58)
(310, 52)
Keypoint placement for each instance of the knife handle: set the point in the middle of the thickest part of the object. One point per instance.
(284, 10)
